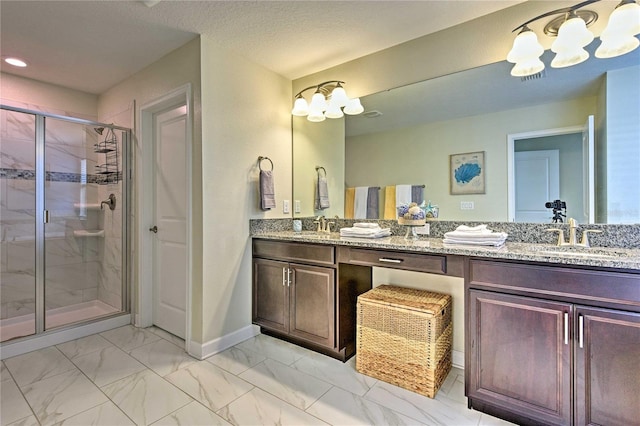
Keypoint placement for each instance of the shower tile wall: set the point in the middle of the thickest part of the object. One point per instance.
(17, 207)
(75, 266)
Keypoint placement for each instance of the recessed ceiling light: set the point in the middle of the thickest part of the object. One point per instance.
(16, 62)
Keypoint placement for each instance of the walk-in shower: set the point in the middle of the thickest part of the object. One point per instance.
(63, 222)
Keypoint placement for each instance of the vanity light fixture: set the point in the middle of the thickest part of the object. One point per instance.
(572, 34)
(329, 100)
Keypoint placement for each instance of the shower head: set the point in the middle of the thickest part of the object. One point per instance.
(98, 130)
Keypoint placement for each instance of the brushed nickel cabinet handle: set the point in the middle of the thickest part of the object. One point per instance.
(387, 260)
(580, 331)
(288, 277)
(566, 328)
(284, 276)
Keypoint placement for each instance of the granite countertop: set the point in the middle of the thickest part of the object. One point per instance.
(604, 257)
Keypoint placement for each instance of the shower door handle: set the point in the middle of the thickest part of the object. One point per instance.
(154, 229)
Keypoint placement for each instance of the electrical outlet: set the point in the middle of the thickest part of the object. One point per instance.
(285, 206)
(296, 206)
(466, 205)
(422, 230)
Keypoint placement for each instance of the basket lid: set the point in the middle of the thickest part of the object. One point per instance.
(403, 297)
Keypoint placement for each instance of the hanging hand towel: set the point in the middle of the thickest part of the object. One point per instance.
(403, 196)
(267, 193)
(322, 194)
(372, 202)
(390, 212)
(360, 203)
(349, 198)
(417, 194)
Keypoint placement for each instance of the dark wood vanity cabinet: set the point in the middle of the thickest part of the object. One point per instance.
(520, 355)
(302, 295)
(607, 366)
(538, 353)
(295, 299)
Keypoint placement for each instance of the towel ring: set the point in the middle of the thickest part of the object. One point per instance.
(318, 168)
(260, 162)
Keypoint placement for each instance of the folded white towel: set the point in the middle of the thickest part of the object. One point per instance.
(476, 235)
(479, 228)
(366, 225)
(456, 243)
(365, 232)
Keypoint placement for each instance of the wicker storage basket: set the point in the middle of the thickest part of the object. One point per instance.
(404, 337)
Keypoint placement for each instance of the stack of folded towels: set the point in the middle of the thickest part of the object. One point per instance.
(365, 230)
(475, 236)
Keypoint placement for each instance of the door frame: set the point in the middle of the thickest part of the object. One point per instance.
(511, 178)
(145, 203)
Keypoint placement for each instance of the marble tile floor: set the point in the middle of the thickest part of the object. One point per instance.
(132, 376)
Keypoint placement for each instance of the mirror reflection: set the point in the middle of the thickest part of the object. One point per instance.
(406, 137)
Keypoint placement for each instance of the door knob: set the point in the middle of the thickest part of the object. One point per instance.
(154, 229)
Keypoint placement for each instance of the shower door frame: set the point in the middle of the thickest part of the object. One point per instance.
(40, 264)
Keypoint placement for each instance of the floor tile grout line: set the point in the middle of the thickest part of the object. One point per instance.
(98, 387)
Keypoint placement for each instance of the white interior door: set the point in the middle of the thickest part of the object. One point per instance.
(170, 242)
(588, 171)
(537, 181)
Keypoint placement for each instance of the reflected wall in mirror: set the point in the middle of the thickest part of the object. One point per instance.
(475, 110)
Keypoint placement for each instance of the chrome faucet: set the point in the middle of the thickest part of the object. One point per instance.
(573, 241)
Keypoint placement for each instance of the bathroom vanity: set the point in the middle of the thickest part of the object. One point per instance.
(550, 338)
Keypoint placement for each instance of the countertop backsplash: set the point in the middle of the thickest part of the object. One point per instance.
(623, 236)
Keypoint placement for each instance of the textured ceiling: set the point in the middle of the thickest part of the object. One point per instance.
(92, 45)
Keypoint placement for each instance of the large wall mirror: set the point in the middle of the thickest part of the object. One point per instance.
(407, 134)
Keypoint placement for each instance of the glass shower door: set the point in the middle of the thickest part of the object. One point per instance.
(83, 261)
(17, 224)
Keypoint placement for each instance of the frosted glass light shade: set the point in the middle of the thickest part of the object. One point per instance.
(618, 37)
(315, 115)
(531, 67)
(318, 102)
(300, 107)
(566, 58)
(354, 107)
(333, 110)
(573, 34)
(610, 48)
(525, 47)
(339, 96)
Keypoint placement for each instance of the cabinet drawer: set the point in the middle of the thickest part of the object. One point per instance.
(391, 259)
(599, 287)
(294, 252)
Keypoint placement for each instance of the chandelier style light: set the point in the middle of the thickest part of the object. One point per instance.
(330, 100)
(572, 36)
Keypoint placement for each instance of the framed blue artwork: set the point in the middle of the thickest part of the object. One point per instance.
(467, 173)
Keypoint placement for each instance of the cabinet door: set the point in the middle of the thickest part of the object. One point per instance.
(607, 367)
(271, 294)
(312, 304)
(520, 355)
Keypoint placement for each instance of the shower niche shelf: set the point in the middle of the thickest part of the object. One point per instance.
(108, 147)
(89, 233)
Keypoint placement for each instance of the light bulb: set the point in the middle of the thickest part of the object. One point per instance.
(315, 115)
(618, 37)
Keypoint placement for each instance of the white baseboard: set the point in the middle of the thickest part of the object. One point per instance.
(212, 347)
(457, 359)
(56, 337)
